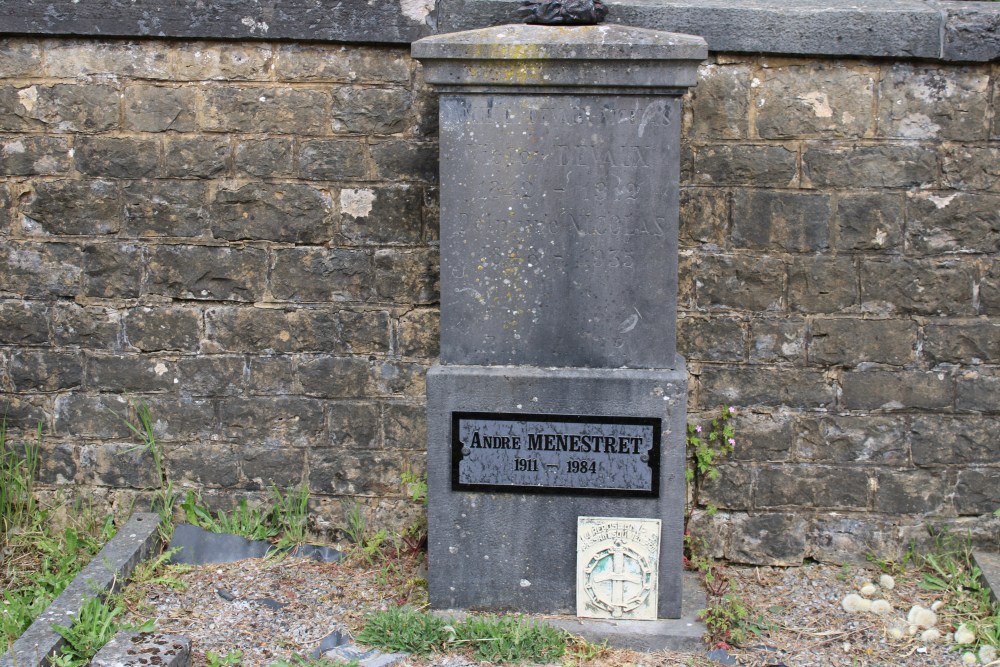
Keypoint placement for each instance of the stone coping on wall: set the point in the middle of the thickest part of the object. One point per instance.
(933, 29)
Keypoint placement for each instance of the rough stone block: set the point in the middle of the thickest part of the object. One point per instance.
(283, 110)
(20, 57)
(43, 370)
(160, 109)
(92, 415)
(916, 101)
(24, 412)
(71, 59)
(69, 207)
(398, 378)
(153, 329)
(166, 208)
(117, 157)
(34, 155)
(14, 116)
(978, 491)
(781, 221)
(762, 437)
(978, 391)
(117, 464)
(272, 375)
(181, 417)
(711, 339)
(112, 270)
(355, 425)
(286, 212)
(849, 439)
(767, 539)
(971, 32)
(811, 486)
(24, 323)
(66, 107)
(334, 377)
(92, 327)
(718, 107)
(744, 164)
(333, 159)
(962, 342)
(777, 340)
(732, 489)
(922, 287)
(299, 62)
(40, 270)
(849, 342)
(989, 289)
(953, 222)
(320, 275)
(405, 426)
(381, 215)
(209, 273)
(268, 157)
(737, 281)
(5, 210)
(205, 464)
(355, 472)
(897, 390)
(200, 157)
(704, 216)
(746, 386)
(869, 222)
(418, 334)
(57, 463)
(825, 99)
(130, 649)
(273, 422)
(214, 375)
(880, 166)
(401, 160)
(822, 284)
(947, 440)
(359, 110)
(408, 276)
(222, 61)
(130, 373)
(837, 539)
(972, 168)
(910, 491)
(238, 329)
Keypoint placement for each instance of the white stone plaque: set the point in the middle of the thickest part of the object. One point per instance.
(617, 564)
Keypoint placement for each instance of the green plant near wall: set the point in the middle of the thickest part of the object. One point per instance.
(707, 446)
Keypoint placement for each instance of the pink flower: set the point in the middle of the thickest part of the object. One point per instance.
(697, 429)
(732, 442)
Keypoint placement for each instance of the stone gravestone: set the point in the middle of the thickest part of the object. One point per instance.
(559, 392)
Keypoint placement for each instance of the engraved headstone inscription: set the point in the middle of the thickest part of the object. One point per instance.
(559, 393)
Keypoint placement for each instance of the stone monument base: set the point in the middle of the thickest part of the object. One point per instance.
(517, 550)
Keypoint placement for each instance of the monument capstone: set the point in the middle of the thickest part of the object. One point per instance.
(559, 393)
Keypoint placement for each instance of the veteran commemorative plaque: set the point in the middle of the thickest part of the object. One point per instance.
(553, 453)
(617, 567)
(559, 392)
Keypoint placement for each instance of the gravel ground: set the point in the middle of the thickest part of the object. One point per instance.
(272, 609)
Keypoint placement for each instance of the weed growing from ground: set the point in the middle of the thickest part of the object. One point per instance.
(165, 497)
(17, 481)
(949, 569)
(497, 639)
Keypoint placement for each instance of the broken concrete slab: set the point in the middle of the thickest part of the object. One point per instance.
(134, 649)
(107, 572)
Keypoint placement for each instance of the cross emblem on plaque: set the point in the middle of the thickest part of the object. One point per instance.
(629, 588)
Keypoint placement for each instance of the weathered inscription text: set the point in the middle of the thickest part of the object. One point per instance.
(616, 455)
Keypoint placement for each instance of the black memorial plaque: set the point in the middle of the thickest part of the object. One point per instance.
(614, 456)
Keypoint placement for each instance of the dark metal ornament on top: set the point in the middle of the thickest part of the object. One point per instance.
(562, 12)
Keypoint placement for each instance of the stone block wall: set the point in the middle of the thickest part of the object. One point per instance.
(243, 235)
(839, 287)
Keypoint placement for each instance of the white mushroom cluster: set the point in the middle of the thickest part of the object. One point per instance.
(920, 622)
